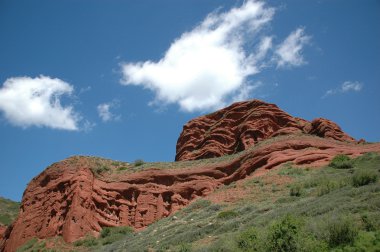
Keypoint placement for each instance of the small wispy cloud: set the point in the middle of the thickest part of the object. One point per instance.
(104, 111)
(208, 66)
(347, 86)
(27, 101)
(289, 52)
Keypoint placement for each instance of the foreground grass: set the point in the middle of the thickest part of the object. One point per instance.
(8, 211)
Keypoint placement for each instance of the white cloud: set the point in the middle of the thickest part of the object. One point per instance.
(289, 52)
(104, 111)
(351, 86)
(27, 102)
(204, 67)
(209, 66)
(347, 86)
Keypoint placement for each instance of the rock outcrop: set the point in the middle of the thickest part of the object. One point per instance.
(243, 125)
(78, 196)
(2, 231)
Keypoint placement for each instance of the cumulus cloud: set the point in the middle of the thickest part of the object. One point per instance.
(205, 65)
(347, 86)
(289, 52)
(104, 111)
(27, 102)
(208, 66)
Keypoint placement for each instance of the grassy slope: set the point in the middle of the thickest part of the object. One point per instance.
(310, 209)
(8, 211)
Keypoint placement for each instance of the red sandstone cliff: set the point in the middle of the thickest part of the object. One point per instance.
(69, 199)
(244, 124)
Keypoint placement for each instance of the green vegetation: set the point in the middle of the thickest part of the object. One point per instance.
(341, 162)
(108, 235)
(295, 190)
(227, 214)
(364, 177)
(138, 162)
(8, 211)
(34, 245)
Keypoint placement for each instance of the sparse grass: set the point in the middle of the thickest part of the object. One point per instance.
(8, 211)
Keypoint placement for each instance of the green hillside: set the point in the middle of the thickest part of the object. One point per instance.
(8, 211)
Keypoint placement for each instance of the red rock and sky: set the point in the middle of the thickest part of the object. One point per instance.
(119, 79)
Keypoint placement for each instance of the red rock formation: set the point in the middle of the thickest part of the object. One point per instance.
(243, 125)
(2, 231)
(69, 200)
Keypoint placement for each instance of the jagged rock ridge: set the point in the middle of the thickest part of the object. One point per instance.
(243, 125)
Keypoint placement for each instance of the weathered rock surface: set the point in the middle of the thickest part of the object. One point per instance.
(243, 125)
(2, 231)
(69, 199)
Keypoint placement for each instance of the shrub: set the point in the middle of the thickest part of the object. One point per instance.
(326, 187)
(105, 232)
(138, 162)
(247, 240)
(283, 235)
(368, 222)
(295, 190)
(199, 204)
(227, 214)
(341, 161)
(5, 219)
(341, 231)
(122, 168)
(109, 231)
(102, 169)
(364, 177)
(89, 241)
(184, 247)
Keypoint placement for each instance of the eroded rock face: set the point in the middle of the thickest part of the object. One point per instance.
(2, 231)
(68, 199)
(243, 125)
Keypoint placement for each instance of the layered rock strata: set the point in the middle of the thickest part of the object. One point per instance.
(243, 125)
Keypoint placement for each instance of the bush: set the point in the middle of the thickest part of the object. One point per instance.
(341, 161)
(295, 190)
(102, 169)
(283, 235)
(139, 162)
(184, 247)
(341, 231)
(122, 168)
(109, 231)
(247, 240)
(326, 187)
(364, 177)
(87, 242)
(368, 223)
(227, 214)
(198, 204)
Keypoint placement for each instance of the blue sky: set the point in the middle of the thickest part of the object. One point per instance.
(118, 79)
